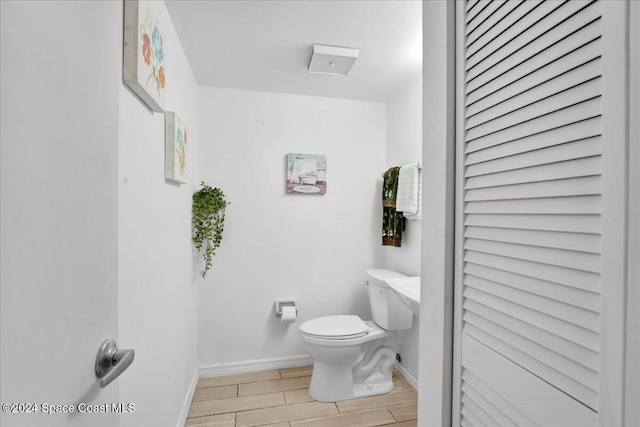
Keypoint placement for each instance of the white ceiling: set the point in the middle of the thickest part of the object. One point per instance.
(266, 45)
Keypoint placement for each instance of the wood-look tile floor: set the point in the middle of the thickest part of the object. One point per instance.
(280, 398)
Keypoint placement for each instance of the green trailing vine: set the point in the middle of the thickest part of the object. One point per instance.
(208, 221)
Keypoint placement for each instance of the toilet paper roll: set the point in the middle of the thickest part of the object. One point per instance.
(288, 314)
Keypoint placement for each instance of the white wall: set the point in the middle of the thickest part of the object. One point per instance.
(58, 208)
(404, 146)
(312, 248)
(157, 290)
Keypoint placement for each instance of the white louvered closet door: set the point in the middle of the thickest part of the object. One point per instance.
(533, 193)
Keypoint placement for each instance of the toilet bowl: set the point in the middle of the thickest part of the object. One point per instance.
(350, 358)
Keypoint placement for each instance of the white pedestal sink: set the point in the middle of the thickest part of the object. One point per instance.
(408, 289)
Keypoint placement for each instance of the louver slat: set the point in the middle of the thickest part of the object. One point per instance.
(486, 13)
(580, 242)
(589, 185)
(568, 259)
(568, 331)
(568, 371)
(568, 313)
(565, 133)
(588, 359)
(503, 89)
(511, 69)
(588, 147)
(464, 422)
(491, 395)
(574, 205)
(565, 294)
(588, 224)
(494, 25)
(561, 21)
(470, 418)
(519, 386)
(506, 42)
(500, 418)
(471, 4)
(479, 412)
(580, 92)
(476, 9)
(545, 123)
(578, 391)
(573, 168)
(550, 273)
(581, 78)
(531, 207)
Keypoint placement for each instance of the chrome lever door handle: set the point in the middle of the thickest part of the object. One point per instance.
(111, 362)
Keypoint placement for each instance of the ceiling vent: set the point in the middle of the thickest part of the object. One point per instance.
(332, 59)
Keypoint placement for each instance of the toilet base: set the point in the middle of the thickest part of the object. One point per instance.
(332, 383)
(372, 389)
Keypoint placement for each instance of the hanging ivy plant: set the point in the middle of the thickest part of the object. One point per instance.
(208, 221)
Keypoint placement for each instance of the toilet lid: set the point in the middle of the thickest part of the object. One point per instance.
(335, 327)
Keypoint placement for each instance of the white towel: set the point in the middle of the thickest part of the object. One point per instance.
(409, 197)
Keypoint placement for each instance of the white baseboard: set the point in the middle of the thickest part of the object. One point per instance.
(187, 401)
(407, 375)
(220, 369)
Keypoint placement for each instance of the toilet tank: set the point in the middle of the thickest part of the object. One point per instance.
(387, 309)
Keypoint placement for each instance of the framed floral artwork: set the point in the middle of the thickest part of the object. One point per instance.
(306, 173)
(144, 62)
(176, 143)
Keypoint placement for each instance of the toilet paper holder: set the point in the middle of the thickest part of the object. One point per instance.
(284, 303)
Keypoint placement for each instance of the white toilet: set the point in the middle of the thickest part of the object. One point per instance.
(350, 356)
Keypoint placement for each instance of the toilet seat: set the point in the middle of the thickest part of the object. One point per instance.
(340, 327)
